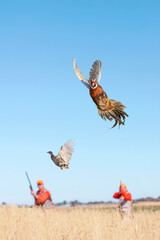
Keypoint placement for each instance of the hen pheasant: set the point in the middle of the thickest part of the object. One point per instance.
(64, 155)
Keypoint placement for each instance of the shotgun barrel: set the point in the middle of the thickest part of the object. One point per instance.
(30, 184)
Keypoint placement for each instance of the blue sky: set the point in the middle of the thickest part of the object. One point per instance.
(43, 104)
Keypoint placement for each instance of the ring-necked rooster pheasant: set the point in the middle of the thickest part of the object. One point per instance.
(64, 155)
(107, 108)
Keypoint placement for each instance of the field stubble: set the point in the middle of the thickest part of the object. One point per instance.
(78, 223)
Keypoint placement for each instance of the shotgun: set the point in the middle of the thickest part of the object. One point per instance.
(30, 185)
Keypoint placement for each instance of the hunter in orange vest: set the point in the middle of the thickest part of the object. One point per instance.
(125, 200)
(42, 196)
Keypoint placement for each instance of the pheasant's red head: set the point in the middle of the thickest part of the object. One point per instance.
(93, 83)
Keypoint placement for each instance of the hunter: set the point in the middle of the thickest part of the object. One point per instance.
(42, 196)
(125, 200)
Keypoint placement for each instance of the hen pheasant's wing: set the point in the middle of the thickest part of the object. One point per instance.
(80, 75)
(95, 72)
(66, 151)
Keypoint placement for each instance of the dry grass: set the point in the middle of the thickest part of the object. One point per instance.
(77, 223)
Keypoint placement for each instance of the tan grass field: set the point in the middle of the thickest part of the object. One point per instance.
(77, 223)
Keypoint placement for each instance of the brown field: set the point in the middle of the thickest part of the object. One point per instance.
(79, 223)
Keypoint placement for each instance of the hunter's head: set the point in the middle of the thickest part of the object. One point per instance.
(40, 184)
(123, 186)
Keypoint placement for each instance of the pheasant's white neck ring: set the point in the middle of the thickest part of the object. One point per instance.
(93, 83)
(93, 86)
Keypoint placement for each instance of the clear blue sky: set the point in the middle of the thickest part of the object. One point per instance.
(43, 104)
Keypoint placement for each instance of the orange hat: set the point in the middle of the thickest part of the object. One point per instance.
(123, 185)
(39, 182)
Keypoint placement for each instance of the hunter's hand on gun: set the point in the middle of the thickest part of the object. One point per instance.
(120, 194)
(33, 193)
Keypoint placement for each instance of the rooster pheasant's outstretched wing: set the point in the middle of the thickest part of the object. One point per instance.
(95, 72)
(66, 151)
(80, 75)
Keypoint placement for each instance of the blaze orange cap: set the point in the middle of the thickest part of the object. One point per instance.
(39, 182)
(123, 185)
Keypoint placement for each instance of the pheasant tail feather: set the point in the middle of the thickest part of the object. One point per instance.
(117, 113)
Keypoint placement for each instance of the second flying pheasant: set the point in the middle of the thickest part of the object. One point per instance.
(64, 155)
(107, 108)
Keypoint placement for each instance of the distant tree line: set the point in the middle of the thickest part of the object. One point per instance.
(76, 202)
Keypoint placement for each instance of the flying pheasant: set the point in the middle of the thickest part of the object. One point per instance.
(64, 155)
(107, 108)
